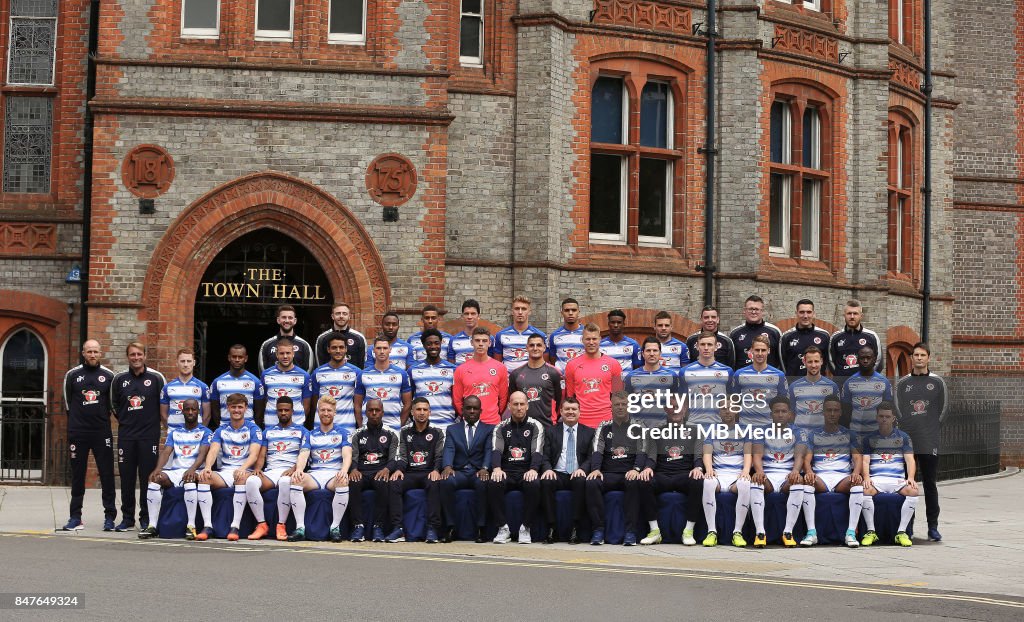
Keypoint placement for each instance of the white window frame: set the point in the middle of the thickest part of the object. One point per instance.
(786, 211)
(665, 240)
(620, 237)
(10, 46)
(275, 35)
(346, 38)
(811, 205)
(472, 61)
(199, 33)
(900, 36)
(899, 160)
(813, 5)
(900, 206)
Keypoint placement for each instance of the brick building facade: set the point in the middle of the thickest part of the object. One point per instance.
(557, 150)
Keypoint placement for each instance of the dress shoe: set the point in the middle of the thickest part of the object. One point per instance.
(574, 537)
(550, 538)
(481, 536)
(449, 535)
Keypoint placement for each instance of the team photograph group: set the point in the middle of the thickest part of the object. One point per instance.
(581, 409)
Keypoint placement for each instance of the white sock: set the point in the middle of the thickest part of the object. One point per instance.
(907, 512)
(191, 498)
(239, 502)
(652, 525)
(298, 499)
(757, 506)
(810, 506)
(742, 503)
(793, 505)
(255, 499)
(690, 525)
(338, 506)
(205, 504)
(284, 504)
(856, 503)
(868, 512)
(154, 497)
(710, 503)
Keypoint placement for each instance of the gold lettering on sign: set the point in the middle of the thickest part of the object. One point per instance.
(261, 283)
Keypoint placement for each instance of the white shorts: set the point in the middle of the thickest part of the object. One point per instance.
(322, 477)
(175, 475)
(777, 479)
(832, 480)
(274, 475)
(888, 484)
(228, 475)
(726, 479)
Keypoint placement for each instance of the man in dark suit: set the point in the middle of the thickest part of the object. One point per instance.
(467, 452)
(566, 464)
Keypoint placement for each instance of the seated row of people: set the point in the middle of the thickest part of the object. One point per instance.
(519, 453)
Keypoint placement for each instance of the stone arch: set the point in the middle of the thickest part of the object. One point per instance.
(270, 200)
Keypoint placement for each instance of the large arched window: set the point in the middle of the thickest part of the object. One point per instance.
(23, 372)
(800, 185)
(23, 384)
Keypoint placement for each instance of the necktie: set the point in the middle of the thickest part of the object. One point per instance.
(570, 452)
(469, 436)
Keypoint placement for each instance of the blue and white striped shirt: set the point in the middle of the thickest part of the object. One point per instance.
(626, 351)
(186, 445)
(225, 384)
(863, 394)
(886, 453)
(761, 387)
(808, 401)
(325, 449)
(235, 444)
(284, 445)
(510, 345)
(176, 392)
(295, 383)
(388, 386)
(564, 345)
(401, 353)
(435, 382)
(416, 347)
(340, 384)
(706, 389)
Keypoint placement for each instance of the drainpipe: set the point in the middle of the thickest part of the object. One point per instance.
(926, 190)
(87, 150)
(710, 152)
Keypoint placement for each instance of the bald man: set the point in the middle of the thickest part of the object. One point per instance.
(87, 399)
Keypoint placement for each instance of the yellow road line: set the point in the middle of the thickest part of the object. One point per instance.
(505, 563)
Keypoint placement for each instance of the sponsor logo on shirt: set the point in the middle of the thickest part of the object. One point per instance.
(135, 402)
(516, 453)
(418, 458)
(91, 397)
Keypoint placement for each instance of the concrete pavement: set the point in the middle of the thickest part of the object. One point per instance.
(983, 549)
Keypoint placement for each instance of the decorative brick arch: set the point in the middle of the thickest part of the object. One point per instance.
(899, 346)
(268, 200)
(640, 323)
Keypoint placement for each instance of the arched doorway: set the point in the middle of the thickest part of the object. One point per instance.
(23, 383)
(241, 289)
(269, 200)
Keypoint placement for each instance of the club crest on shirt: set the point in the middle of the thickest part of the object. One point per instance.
(383, 439)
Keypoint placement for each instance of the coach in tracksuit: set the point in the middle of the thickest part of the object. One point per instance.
(135, 398)
(417, 465)
(619, 463)
(922, 401)
(87, 398)
(373, 449)
(516, 457)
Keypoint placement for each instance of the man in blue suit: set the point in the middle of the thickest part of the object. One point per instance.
(467, 452)
(567, 450)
